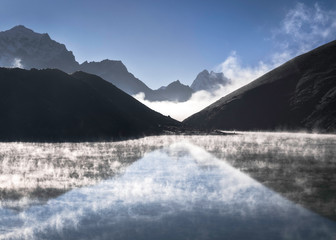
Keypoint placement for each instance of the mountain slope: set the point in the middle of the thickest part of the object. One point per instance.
(44, 105)
(299, 95)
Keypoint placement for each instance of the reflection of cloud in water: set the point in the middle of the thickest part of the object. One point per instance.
(178, 192)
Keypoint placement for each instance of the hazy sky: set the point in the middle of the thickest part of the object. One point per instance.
(162, 41)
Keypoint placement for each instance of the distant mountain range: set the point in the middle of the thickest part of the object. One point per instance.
(175, 91)
(22, 47)
(298, 95)
(50, 105)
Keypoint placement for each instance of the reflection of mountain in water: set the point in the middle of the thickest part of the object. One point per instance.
(179, 192)
(298, 166)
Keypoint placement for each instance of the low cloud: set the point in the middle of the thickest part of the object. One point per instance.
(182, 110)
(241, 75)
(17, 63)
(10, 62)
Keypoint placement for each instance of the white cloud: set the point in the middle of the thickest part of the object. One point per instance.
(304, 28)
(17, 63)
(240, 75)
(182, 110)
(10, 62)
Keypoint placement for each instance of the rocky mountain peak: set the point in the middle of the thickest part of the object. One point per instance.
(209, 81)
(205, 71)
(20, 29)
(34, 50)
(177, 82)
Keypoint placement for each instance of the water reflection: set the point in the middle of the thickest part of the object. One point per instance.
(178, 192)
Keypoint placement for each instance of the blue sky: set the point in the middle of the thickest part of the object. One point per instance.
(162, 41)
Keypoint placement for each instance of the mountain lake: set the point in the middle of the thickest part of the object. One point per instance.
(245, 185)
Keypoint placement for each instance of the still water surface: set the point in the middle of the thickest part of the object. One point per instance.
(176, 192)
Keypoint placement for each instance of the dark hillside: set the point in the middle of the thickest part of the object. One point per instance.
(298, 95)
(50, 105)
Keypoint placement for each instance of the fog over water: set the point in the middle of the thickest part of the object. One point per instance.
(175, 190)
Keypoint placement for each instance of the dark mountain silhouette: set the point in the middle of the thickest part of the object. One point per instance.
(116, 73)
(209, 81)
(298, 95)
(175, 91)
(24, 48)
(50, 105)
